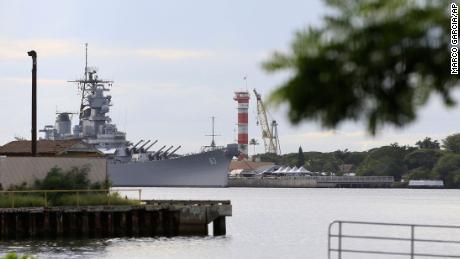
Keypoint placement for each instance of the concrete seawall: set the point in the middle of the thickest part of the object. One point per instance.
(291, 182)
(313, 182)
(155, 218)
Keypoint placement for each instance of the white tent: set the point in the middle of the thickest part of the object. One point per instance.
(279, 170)
(294, 170)
(302, 170)
(286, 170)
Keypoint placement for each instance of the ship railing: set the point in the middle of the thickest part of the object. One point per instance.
(205, 148)
(211, 148)
(47, 195)
(392, 240)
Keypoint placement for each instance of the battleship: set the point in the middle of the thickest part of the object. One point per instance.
(130, 164)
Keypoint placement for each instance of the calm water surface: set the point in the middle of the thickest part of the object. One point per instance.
(268, 223)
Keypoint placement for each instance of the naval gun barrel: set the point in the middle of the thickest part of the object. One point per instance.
(147, 148)
(143, 145)
(137, 144)
(174, 151)
(158, 151)
(166, 151)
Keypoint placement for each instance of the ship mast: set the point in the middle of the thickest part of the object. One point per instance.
(86, 79)
(86, 61)
(88, 84)
(213, 143)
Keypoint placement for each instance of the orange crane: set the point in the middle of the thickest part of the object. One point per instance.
(269, 131)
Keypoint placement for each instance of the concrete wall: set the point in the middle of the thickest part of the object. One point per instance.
(291, 182)
(17, 170)
(312, 181)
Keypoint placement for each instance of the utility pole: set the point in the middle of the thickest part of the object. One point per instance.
(33, 54)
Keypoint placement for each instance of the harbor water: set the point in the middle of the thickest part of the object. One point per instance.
(267, 223)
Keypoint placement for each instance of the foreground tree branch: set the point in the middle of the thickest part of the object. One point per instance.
(377, 61)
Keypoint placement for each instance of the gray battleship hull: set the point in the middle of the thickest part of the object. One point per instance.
(207, 169)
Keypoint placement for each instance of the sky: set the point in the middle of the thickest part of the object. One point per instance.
(174, 65)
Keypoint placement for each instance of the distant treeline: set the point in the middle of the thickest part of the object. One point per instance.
(428, 159)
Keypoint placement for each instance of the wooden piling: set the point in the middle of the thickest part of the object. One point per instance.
(155, 218)
(84, 224)
(59, 227)
(219, 227)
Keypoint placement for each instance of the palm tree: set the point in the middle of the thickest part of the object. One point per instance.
(254, 142)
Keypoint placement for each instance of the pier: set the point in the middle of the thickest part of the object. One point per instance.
(152, 218)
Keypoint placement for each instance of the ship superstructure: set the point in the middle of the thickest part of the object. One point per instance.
(136, 165)
(95, 125)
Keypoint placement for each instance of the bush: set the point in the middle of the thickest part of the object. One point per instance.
(57, 179)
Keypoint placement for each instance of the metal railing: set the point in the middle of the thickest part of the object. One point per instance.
(12, 195)
(328, 179)
(410, 241)
(354, 179)
(188, 202)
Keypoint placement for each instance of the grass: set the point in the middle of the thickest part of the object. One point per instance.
(15, 256)
(21, 200)
(59, 199)
(92, 199)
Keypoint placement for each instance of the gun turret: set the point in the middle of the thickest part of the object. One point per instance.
(143, 145)
(147, 148)
(137, 144)
(174, 151)
(165, 154)
(158, 151)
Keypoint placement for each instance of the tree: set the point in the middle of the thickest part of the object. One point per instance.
(420, 174)
(300, 158)
(254, 143)
(427, 143)
(422, 158)
(372, 60)
(342, 155)
(270, 157)
(448, 169)
(452, 143)
(386, 160)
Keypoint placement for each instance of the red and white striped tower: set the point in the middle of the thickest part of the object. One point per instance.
(243, 104)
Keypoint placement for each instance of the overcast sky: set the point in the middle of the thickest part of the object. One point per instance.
(175, 64)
